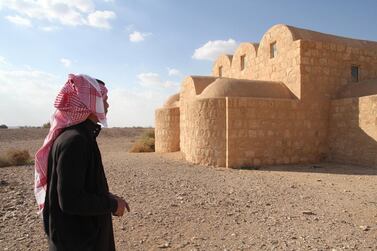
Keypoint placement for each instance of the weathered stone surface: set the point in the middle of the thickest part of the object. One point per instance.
(316, 123)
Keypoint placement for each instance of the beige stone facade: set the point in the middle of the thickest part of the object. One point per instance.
(298, 96)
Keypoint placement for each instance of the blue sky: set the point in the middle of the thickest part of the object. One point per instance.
(142, 49)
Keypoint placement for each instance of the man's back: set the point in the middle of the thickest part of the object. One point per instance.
(77, 212)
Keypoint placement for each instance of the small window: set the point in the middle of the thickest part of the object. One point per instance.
(273, 50)
(242, 62)
(220, 71)
(355, 73)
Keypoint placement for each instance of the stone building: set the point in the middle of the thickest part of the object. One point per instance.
(299, 96)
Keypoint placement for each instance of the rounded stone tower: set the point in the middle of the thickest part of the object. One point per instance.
(167, 126)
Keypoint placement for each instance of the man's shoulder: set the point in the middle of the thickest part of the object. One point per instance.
(71, 135)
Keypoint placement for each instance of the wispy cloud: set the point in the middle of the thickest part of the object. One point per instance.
(212, 49)
(49, 28)
(135, 107)
(151, 79)
(65, 12)
(101, 19)
(173, 72)
(137, 36)
(21, 21)
(130, 27)
(3, 61)
(30, 94)
(66, 62)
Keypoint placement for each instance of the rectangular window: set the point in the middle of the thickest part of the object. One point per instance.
(242, 62)
(273, 50)
(355, 73)
(220, 71)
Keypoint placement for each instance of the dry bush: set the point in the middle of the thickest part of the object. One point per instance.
(46, 125)
(4, 162)
(145, 143)
(16, 157)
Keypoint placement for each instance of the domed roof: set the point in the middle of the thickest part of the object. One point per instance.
(229, 87)
(200, 82)
(172, 101)
(359, 89)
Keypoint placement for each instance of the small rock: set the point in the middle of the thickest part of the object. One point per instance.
(3, 183)
(308, 212)
(165, 245)
(364, 228)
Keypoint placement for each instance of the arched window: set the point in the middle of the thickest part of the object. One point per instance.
(242, 62)
(273, 50)
(355, 73)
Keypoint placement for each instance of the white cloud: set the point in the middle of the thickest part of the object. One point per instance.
(65, 12)
(66, 62)
(212, 49)
(3, 61)
(49, 28)
(134, 107)
(100, 19)
(19, 20)
(173, 72)
(137, 36)
(151, 79)
(28, 94)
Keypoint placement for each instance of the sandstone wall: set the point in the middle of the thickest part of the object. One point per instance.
(353, 131)
(249, 52)
(270, 131)
(284, 67)
(224, 62)
(325, 70)
(204, 135)
(326, 67)
(191, 86)
(167, 129)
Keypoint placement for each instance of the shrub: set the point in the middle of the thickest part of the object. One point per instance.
(3, 126)
(46, 125)
(16, 157)
(145, 143)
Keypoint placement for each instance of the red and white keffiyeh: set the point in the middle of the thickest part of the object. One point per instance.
(80, 97)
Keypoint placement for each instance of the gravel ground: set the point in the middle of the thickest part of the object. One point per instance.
(179, 206)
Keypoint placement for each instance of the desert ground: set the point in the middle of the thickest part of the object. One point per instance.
(176, 205)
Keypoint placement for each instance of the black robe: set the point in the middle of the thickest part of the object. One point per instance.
(78, 206)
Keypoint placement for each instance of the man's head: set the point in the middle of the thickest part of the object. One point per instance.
(92, 116)
(105, 97)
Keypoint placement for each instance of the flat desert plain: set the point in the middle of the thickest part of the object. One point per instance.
(176, 205)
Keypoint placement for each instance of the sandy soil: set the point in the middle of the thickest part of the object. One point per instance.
(179, 206)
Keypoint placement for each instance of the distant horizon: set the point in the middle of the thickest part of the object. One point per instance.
(142, 50)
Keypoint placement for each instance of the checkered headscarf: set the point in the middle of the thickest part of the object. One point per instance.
(80, 97)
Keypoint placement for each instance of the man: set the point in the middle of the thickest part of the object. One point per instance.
(70, 183)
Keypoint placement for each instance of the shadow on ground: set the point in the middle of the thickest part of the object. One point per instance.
(330, 168)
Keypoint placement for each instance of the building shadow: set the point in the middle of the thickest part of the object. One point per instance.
(325, 167)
